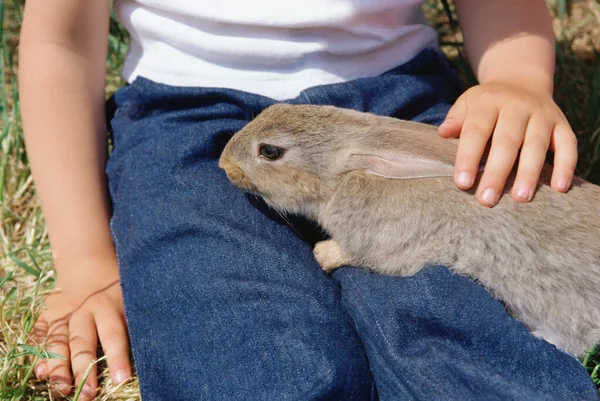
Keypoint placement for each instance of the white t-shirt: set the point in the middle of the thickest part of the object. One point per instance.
(275, 48)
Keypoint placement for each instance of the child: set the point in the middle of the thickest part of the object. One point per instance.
(222, 300)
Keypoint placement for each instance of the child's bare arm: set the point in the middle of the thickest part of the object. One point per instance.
(62, 66)
(511, 47)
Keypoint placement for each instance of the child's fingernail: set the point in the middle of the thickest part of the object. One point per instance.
(524, 192)
(490, 197)
(464, 179)
(120, 376)
(61, 387)
(88, 391)
(40, 372)
(563, 184)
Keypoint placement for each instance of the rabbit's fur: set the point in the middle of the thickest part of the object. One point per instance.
(382, 188)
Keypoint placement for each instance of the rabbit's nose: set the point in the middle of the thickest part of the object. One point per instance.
(236, 175)
(224, 162)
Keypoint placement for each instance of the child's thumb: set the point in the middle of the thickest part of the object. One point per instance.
(455, 118)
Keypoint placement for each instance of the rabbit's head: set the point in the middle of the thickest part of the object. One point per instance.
(294, 155)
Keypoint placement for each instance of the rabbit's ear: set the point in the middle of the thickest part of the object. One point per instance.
(399, 166)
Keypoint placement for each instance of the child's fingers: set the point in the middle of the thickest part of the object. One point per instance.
(37, 337)
(112, 331)
(476, 131)
(58, 369)
(454, 120)
(506, 142)
(532, 159)
(564, 144)
(83, 342)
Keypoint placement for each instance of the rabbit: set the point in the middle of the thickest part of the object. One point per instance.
(383, 190)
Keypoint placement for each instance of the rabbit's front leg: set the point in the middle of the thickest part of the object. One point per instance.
(330, 255)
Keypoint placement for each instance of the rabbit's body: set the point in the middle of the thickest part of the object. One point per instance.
(542, 259)
(542, 265)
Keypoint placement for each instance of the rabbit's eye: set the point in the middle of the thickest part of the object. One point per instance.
(270, 152)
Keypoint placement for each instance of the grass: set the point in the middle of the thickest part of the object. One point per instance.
(26, 271)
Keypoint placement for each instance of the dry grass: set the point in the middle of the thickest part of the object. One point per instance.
(26, 273)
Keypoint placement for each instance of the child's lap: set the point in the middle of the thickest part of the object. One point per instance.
(218, 296)
(222, 298)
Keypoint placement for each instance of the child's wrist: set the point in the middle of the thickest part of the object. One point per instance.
(86, 267)
(523, 75)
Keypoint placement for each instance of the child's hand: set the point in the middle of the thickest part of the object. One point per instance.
(517, 119)
(75, 316)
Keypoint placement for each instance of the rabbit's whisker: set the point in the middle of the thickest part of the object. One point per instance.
(283, 215)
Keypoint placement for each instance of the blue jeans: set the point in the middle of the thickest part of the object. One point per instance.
(224, 301)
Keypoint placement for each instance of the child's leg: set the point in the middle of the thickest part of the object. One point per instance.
(223, 302)
(437, 335)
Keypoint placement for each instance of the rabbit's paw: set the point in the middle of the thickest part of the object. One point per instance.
(329, 255)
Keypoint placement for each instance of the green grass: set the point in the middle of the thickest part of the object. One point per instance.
(26, 271)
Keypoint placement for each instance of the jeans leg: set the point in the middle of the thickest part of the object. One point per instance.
(223, 302)
(438, 335)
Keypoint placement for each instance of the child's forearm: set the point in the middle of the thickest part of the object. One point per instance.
(509, 41)
(61, 74)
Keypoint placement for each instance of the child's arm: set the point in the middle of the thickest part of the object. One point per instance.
(62, 66)
(511, 47)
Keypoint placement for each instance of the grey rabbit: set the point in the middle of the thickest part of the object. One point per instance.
(383, 189)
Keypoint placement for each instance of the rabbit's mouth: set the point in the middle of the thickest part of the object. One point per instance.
(236, 175)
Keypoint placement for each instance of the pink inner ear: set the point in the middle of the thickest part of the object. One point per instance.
(400, 167)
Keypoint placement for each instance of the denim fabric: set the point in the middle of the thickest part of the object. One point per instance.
(224, 301)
